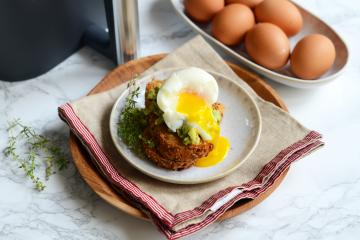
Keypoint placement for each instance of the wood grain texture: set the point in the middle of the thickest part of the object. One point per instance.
(125, 72)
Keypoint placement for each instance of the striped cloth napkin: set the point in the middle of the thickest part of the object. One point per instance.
(180, 210)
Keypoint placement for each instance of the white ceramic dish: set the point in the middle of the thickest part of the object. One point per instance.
(312, 24)
(241, 125)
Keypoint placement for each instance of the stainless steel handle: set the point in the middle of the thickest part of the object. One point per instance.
(126, 29)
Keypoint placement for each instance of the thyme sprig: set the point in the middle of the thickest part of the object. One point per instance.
(38, 151)
(132, 120)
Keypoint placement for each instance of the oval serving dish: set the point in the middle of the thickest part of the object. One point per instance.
(312, 24)
(241, 124)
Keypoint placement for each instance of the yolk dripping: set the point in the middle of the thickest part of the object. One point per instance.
(200, 113)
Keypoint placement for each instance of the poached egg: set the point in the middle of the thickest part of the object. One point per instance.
(187, 97)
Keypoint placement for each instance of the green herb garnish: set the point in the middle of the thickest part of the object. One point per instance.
(38, 151)
(152, 94)
(152, 106)
(194, 136)
(159, 120)
(188, 134)
(217, 115)
(132, 120)
(147, 141)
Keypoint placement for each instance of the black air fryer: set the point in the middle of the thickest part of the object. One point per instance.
(36, 35)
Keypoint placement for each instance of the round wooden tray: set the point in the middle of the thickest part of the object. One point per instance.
(125, 72)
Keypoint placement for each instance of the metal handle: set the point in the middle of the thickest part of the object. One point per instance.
(126, 29)
(121, 40)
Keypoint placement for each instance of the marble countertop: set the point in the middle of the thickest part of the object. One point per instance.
(319, 198)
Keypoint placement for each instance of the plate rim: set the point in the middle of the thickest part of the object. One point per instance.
(272, 75)
(188, 182)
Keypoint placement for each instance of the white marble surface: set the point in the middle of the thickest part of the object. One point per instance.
(319, 199)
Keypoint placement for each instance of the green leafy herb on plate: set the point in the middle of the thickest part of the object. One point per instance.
(132, 120)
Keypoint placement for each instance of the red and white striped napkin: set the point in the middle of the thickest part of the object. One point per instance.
(180, 210)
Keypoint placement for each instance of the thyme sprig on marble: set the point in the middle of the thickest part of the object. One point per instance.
(37, 152)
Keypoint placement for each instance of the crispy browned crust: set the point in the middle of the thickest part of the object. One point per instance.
(159, 160)
(169, 151)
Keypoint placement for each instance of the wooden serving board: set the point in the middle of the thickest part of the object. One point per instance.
(125, 72)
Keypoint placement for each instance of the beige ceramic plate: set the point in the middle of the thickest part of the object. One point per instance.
(241, 125)
(312, 24)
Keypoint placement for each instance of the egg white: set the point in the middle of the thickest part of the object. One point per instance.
(194, 80)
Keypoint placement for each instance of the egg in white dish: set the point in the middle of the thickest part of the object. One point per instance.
(186, 97)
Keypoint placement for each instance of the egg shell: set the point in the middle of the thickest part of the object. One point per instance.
(249, 3)
(282, 13)
(232, 22)
(203, 10)
(268, 45)
(312, 56)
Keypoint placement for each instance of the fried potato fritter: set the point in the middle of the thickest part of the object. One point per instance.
(170, 152)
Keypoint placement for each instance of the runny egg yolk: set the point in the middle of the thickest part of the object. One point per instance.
(200, 114)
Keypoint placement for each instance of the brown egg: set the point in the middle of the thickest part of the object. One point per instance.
(249, 3)
(282, 13)
(267, 45)
(231, 23)
(203, 10)
(312, 56)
